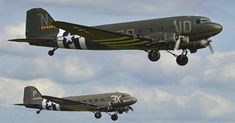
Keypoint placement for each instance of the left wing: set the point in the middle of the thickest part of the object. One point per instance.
(104, 37)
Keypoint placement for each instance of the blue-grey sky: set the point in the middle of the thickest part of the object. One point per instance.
(201, 92)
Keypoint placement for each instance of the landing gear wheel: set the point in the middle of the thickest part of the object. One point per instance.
(98, 115)
(51, 52)
(154, 55)
(114, 117)
(38, 112)
(182, 60)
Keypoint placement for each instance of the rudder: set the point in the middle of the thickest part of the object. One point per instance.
(38, 25)
(32, 95)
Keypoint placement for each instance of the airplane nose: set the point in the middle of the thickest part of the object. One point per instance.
(218, 28)
(134, 100)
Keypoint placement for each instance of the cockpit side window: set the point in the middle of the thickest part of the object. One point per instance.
(202, 21)
(198, 22)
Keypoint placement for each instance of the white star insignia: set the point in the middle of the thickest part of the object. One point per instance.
(69, 38)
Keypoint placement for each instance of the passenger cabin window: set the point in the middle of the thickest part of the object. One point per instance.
(161, 28)
(121, 31)
(140, 30)
(150, 29)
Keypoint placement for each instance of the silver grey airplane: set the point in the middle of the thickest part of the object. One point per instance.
(97, 103)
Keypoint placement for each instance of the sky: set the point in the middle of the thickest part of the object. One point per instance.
(201, 92)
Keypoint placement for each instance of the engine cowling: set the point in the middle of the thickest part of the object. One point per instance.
(170, 37)
(123, 109)
(200, 44)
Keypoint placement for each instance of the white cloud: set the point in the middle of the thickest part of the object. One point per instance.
(12, 89)
(150, 7)
(67, 69)
(15, 31)
(213, 106)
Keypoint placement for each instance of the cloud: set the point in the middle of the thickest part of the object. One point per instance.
(16, 49)
(12, 89)
(67, 69)
(121, 7)
(15, 31)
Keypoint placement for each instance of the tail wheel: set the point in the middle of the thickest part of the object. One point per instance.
(38, 112)
(114, 117)
(154, 55)
(51, 52)
(98, 115)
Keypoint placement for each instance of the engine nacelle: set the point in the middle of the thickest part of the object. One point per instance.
(170, 37)
(200, 44)
(123, 109)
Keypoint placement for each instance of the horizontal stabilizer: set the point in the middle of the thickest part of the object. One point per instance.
(31, 40)
(27, 105)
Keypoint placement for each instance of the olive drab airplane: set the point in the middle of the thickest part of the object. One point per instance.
(108, 102)
(186, 33)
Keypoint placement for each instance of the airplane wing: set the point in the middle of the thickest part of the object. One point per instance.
(66, 101)
(104, 37)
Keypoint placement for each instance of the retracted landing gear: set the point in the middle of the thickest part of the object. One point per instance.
(51, 52)
(98, 115)
(38, 112)
(181, 59)
(154, 55)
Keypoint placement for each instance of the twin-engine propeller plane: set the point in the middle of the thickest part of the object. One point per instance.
(186, 33)
(109, 102)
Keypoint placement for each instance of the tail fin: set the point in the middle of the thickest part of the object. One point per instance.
(32, 95)
(38, 25)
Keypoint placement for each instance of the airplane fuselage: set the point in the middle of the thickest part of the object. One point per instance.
(108, 102)
(196, 28)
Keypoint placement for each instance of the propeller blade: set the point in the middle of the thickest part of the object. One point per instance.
(211, 48)
(131, 108)
(177, 44)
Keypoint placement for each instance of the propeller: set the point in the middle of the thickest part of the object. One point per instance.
(180, 38)
(210, 47)
(131, 108)
(177, 44)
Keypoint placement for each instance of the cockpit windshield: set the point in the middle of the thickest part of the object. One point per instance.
(203, 20)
